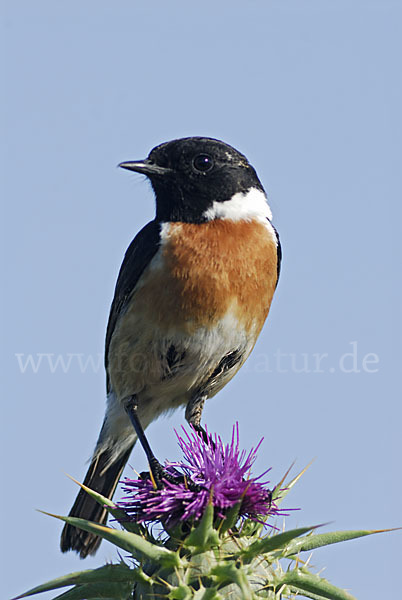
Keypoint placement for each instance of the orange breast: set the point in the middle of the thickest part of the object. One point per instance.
(206, 270)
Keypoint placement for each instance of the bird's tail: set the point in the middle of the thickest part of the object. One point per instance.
(103, 477)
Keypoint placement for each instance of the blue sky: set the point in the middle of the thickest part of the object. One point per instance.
(310, 92)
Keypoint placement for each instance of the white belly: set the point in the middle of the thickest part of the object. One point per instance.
(139, 365)
(165, 369)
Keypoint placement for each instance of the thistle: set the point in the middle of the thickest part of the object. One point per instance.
(210, 473)
(216, 537)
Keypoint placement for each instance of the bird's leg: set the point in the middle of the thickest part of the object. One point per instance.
(193, 416)
(130, 406)
(157, 470)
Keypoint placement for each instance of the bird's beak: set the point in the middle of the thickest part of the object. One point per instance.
(147, 167)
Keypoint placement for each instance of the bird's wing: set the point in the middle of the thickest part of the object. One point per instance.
(138, 255)
(278, 253)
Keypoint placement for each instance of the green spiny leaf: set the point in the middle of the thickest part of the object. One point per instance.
(182, 592)
(107, 573)
(311, 542)
(274, 542)
(110, 506)
(206, 594)
(204, 536)
(279, 493)
(304, 581)
(310, 595)
(101, 591)
(131, 542)
(226, 574)
(250, 528)
(231, 518)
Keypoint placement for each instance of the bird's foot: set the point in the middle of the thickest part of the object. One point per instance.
(157, 474)
(204, 435)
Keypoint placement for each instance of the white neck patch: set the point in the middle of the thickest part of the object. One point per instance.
(241, 207)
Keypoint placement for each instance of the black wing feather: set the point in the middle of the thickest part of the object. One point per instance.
(138, 255)
(279, 256)
(278, 253)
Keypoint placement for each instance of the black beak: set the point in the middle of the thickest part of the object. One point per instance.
(147, 167)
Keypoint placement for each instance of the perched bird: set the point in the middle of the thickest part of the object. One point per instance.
(192, 295)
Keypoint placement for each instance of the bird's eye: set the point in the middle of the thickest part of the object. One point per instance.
(203, 163)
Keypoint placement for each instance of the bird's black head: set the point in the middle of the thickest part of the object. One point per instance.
(189, 175)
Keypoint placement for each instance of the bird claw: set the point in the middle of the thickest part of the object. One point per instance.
(206, 437)
(157, 474)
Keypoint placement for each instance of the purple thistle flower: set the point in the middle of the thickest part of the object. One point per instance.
(220, 472)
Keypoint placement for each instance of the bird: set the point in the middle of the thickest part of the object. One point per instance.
(192, 295)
